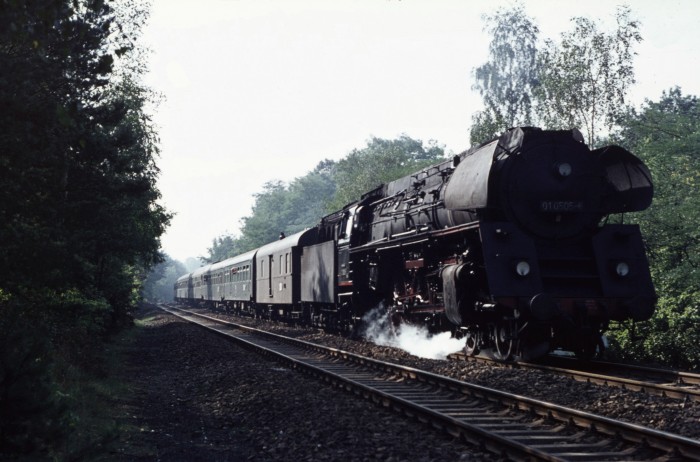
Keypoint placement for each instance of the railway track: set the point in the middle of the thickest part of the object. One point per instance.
(659, 382)
(516, 427)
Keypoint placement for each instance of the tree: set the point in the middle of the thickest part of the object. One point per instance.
(581, 81)
(379, 162)
(666, 135)
(111, 214)
(282, 208)
(222, 247)
(79, 212)
(585, 78)
(268, 218)
(158, 285)
(310, 196)
(507, 80)
(79, 197)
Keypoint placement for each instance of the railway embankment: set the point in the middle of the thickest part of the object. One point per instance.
(194, 396)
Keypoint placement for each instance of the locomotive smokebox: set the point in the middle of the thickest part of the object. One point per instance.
(549, 183)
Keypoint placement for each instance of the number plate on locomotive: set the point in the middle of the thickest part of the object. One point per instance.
(561, 206)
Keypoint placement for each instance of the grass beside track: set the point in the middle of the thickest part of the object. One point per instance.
(95, 400)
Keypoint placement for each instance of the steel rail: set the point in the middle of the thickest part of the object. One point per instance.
(518, 427)
(666, 375)
(668, 383)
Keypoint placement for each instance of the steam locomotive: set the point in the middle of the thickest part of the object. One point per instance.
(509, 245)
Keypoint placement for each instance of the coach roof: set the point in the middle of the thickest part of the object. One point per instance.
(306, 237)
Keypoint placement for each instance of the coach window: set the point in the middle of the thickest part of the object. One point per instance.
(286, 263)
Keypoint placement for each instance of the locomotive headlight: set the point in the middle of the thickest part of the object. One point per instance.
(622, 269)
(564, 169)
(522, 268)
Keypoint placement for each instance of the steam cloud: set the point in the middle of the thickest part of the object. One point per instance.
(413, 339)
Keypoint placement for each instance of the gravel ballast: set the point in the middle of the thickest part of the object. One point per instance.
(666, 414)
(195, 396)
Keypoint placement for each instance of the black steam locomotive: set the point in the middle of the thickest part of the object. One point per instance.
(507, 244)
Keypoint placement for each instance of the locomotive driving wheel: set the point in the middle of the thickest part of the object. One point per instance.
(504, 334)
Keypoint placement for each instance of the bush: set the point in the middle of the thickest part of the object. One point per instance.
(32, 413)
(671, 337)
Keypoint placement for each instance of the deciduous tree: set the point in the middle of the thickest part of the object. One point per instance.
(666, 135)
(506, 81)
(584, 79)
(379, 162)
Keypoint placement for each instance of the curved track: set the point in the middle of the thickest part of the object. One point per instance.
(517, 427)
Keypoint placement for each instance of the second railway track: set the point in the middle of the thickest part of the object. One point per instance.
(518, 427)
(654, 381)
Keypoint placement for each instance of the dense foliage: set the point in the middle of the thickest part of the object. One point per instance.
(666, 134)
(381, 161)
(79, 218)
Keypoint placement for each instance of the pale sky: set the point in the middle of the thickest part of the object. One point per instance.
(264, 90)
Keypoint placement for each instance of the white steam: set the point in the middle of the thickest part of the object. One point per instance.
(413, 339)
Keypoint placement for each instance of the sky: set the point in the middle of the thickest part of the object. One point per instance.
(262, 90)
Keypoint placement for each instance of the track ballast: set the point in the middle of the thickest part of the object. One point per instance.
(503, 422)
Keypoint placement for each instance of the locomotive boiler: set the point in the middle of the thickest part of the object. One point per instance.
(517, 245)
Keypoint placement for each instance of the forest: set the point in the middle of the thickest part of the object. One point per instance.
(82, 219)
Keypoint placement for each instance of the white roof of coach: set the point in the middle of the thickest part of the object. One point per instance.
(308, 236)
